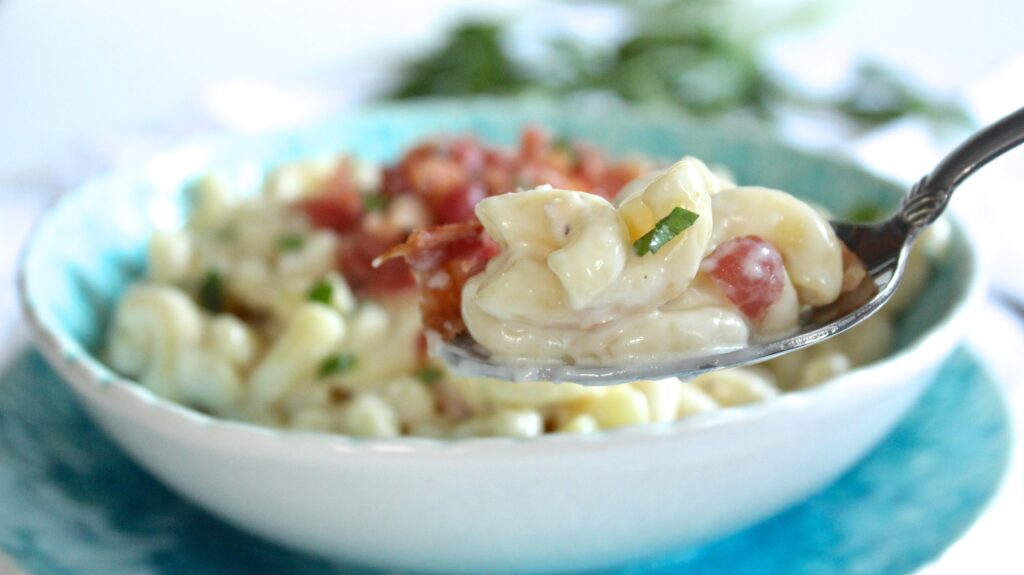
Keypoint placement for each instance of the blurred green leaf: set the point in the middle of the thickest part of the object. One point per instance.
(879, 95)
(866, 213)
(702, 57)
(472, 61)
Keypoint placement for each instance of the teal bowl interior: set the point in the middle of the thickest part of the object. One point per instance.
(91, 246)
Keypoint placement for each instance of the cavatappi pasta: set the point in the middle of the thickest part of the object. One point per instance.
(570, 282)
(264, 307)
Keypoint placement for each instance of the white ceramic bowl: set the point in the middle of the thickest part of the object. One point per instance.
(477, 505)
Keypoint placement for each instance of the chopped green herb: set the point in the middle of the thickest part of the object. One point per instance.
(211, 292)
(375, 202)
(667, 228)
(322, 292)
(291, 242)
(867, 213)
(429, 375)
(337, 363)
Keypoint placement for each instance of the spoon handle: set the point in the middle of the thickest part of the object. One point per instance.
(929, 197)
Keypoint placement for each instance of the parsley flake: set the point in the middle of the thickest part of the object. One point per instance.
(322, 292)
(337, 363)
(428, 374)
(375, 202)
(667, 228)
(211, 292)
(291, 242)
(867, 213)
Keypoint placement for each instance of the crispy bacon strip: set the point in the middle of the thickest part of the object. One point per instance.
(442, 259)
(445, 180)
(338, 207)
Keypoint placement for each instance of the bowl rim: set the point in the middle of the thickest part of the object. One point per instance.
(87, 375)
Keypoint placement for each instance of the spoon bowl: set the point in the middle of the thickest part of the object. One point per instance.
(883, 248)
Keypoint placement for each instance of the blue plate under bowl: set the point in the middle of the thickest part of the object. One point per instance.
(74, 505)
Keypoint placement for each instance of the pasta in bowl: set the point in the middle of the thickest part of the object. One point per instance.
(141, 242)
(267, 308)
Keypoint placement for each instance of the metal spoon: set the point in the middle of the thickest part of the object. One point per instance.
(883, 247)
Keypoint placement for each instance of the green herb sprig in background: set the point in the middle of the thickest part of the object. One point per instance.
(702, 57)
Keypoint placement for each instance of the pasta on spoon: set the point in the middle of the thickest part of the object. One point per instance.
(264, 306)
(680, 263)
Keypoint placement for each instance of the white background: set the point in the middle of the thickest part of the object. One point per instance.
(70, 69)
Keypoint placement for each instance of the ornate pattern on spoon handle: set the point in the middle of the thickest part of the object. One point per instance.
(929, 197)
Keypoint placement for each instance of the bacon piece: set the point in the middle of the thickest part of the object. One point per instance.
(469, 154)
(445, 180)
(436, 177)
(339, 205)
(534, 144)
(460, 204)
(355, 256)
(442, 259)
(615, 176)
(750, 272)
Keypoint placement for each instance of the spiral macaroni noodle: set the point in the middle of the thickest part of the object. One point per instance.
(225, 321)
